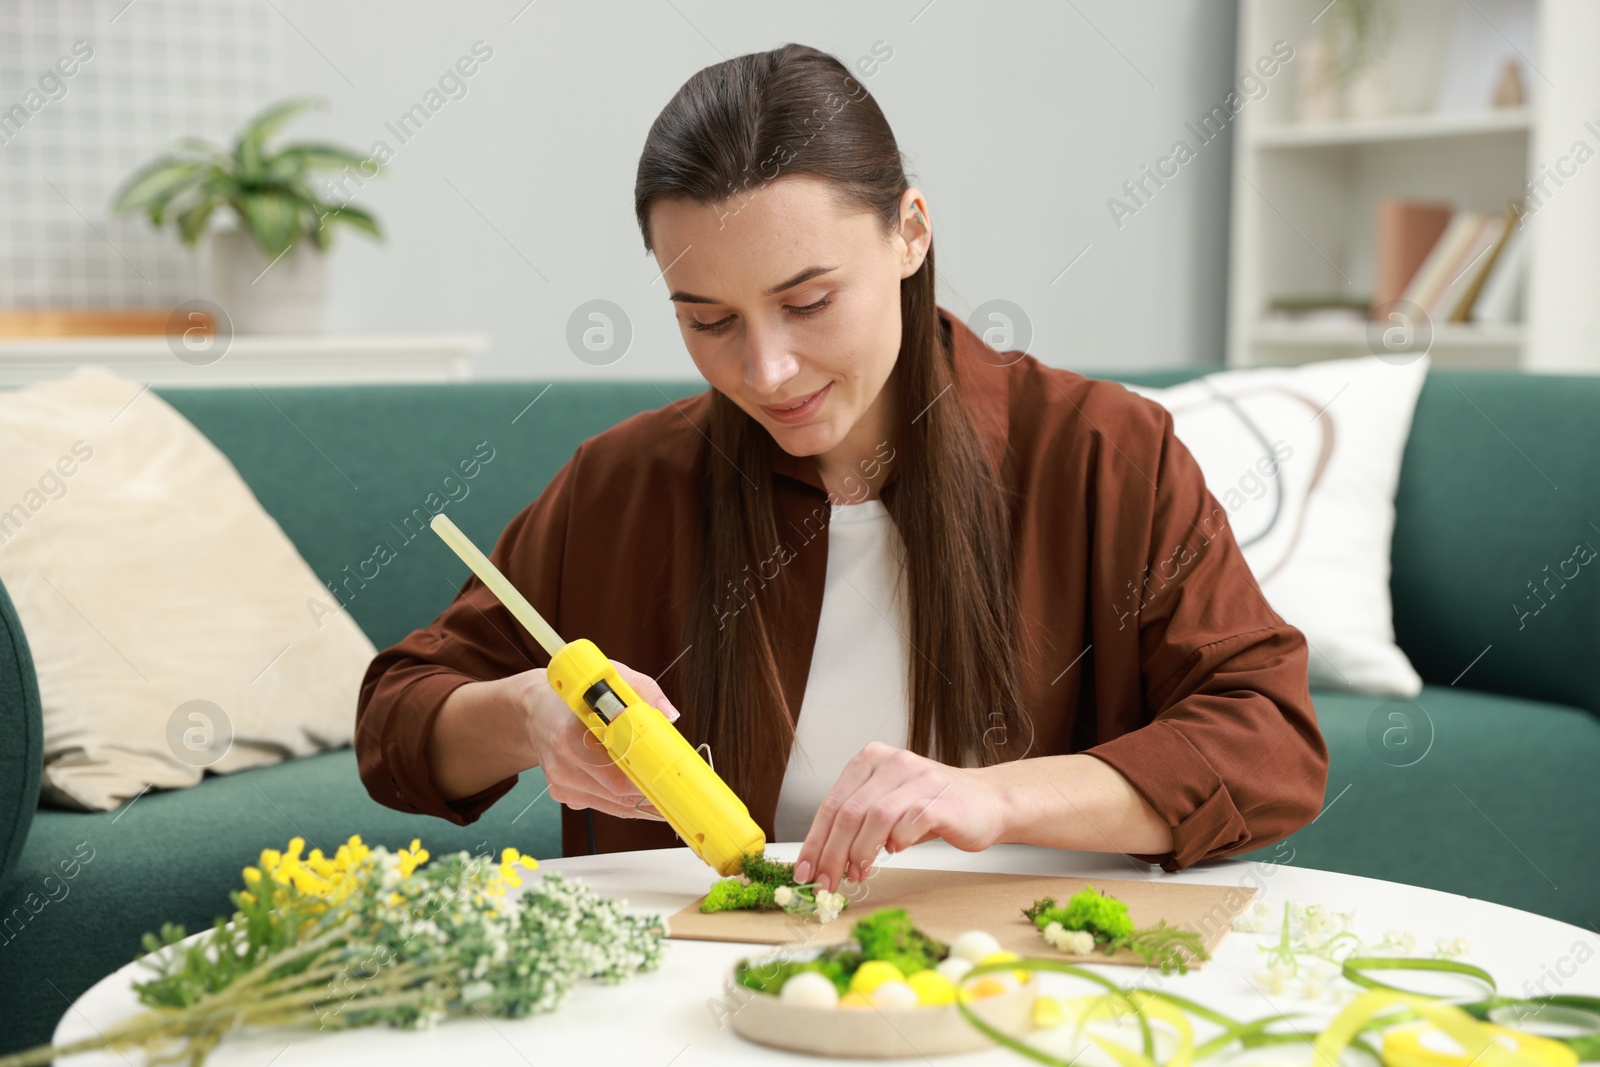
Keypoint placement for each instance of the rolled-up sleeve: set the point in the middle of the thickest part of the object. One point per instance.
(474, 639)
(1230, 756)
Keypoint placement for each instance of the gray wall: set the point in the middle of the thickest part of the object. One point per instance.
(512, 205)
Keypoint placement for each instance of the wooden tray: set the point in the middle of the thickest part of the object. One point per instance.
(876, 1033)
(946, 904)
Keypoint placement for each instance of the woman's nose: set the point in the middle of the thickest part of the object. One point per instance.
(768, 362)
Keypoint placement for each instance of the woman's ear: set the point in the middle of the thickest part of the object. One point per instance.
(915, 232)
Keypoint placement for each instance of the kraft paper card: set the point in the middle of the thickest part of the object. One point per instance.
(945, 904)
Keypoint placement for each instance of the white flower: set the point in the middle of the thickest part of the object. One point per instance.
(829, 905)
(1275, 979)
(475, 991)
(1072, 942)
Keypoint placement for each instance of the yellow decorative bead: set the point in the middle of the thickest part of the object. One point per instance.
(932, 988)
(872, 974)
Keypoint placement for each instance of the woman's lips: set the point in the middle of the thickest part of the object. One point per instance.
(800, 414)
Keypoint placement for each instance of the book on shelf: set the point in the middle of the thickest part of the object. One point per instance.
(1407, 230)
(1445, 258)
(1500, 298)
(1481, 267)
(1451, 277)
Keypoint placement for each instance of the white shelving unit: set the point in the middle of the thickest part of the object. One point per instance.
(248, 359)
(1394, 128)
(1305, 195)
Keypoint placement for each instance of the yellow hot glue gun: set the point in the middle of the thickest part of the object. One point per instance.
(699, 806)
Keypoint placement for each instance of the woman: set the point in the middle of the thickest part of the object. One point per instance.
(903, 585)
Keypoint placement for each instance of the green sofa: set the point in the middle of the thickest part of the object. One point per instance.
(1499, 480)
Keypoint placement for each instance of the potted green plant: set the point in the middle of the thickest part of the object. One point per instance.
(268, 271)
(1362, 31)
(1345, 71)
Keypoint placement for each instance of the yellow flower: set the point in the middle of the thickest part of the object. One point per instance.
(328, 880)
(412, 858)
(510, 860)
(316, 875)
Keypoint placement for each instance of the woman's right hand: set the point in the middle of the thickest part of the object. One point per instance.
(577, 768)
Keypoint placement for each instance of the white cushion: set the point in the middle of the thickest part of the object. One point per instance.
(166, 611)
(1304, 461)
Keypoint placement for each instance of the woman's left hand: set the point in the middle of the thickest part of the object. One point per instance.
(890, 798)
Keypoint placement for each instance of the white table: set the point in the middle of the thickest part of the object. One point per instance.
(665, 1018)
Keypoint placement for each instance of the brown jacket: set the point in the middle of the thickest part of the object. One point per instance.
(1153, 647)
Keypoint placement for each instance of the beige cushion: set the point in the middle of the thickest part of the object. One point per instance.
(166, 611)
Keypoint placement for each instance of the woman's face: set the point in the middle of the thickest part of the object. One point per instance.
(783, 297)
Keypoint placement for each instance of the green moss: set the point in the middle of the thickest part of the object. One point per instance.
(1103, 916)
(763, 869)
(730, 894)
(887, 934)
(838, 964)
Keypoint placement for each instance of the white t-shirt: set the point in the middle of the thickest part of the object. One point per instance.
(856, 689)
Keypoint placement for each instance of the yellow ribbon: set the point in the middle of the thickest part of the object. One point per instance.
(1112, 1007)
(1407, 1046)
(1480, 1043)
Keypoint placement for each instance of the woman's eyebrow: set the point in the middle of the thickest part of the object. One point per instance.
(804, 276)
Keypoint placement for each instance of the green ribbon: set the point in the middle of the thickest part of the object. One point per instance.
(1354, 968)
(1564, 1009)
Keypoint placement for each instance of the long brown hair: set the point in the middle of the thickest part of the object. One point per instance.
(725, 132)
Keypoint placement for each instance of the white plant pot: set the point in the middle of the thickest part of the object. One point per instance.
(1370, 94)
(262, 296)
(1317, 91)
